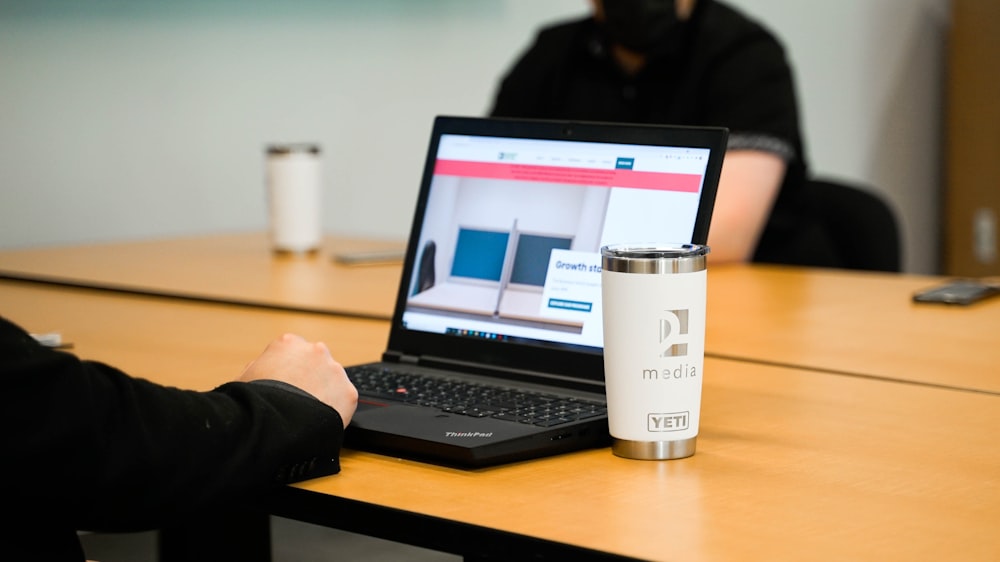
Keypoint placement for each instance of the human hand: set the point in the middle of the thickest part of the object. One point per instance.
(308, 366)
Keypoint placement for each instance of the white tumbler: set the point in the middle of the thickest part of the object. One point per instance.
(653, 298)
(293, 191)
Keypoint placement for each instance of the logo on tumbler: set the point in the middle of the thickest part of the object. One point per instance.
(674, 333)
(674, 421)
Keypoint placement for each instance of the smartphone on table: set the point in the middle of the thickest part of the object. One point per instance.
(958, 291)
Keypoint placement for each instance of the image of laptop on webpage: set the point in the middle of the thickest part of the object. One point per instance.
(516, 225)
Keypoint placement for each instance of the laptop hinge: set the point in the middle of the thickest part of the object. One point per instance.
(395, 357)
(408, 359)
(479, 368)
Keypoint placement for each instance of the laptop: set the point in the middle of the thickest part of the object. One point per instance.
(495, 350)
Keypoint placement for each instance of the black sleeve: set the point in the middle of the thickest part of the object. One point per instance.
(530, 86)
(517, 95)
(98, 449)
(761, 101)
(747, 82)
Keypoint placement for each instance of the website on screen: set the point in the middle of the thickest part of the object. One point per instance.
(514, 227)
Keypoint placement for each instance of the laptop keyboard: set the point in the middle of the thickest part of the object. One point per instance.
(470, 398)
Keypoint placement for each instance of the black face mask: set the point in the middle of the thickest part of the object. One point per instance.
(643, 26)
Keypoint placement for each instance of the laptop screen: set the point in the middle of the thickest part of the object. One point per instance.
(510, 222)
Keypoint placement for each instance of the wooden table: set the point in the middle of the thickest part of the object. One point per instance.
(857, 323)
(202, 345)
(791, 463)
(839, 321)
(231, 268)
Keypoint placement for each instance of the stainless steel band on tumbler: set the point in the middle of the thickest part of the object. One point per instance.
(653, 450)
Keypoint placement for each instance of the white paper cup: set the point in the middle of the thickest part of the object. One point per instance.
(293, 192)
(653, 299)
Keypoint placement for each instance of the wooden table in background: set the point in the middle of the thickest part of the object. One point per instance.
(841, 321)
(852, 322)
(856, 323)
(232, 268)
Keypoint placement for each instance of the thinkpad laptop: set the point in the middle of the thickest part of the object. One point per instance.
(495, 349)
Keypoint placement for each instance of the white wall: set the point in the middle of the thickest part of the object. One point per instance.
(135, 119)
(871, 77)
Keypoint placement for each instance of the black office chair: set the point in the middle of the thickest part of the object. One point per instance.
(839, 226)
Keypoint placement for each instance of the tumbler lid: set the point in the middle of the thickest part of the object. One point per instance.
(654, 258)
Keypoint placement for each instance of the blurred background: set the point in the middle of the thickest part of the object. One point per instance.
(134, 119)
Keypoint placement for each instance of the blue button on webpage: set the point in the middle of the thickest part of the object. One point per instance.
(624, 163)
(570, 305)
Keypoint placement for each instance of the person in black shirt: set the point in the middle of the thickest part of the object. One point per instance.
(88, 447)
(682, 62)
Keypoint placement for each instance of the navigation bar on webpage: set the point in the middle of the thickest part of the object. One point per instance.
(616, 177)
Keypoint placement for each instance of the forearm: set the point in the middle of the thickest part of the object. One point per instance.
(748, 186)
